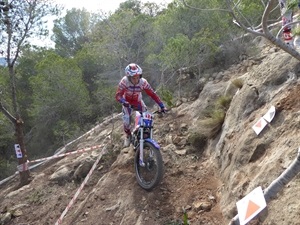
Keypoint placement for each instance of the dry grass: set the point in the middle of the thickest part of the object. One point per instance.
(238, 83)
(222, 103)
(210, 125)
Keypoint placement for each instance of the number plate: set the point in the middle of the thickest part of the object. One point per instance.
(147, 119)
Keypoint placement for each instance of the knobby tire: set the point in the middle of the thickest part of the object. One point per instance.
(151, 175)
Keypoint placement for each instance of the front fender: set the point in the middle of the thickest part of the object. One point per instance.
(151, 141)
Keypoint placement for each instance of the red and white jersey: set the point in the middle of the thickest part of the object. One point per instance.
(133, 93)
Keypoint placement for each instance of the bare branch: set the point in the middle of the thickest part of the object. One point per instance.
(288, 24)
(239, 12)
(265, 18)
(7, 113)
(236, 20)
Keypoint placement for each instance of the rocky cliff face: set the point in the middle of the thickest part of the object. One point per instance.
(247, 160)
(201, 181)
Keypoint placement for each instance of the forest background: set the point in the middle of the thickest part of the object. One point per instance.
(64, 91)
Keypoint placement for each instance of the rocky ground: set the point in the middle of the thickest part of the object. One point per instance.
(204, 182)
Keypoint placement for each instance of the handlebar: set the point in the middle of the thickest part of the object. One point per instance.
(160, 112)
(155, 112)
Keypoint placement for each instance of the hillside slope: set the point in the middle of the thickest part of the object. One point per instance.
(206, 182)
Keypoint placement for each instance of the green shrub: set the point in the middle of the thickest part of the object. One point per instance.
(7, 168)
(166, 96)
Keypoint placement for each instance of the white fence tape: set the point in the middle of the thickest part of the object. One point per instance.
(68, 153)
(59, 221)
(23, 167)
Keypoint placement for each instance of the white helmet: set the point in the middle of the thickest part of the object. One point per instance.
(133, 69)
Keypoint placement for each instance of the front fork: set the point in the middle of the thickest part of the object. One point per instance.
(141, 160)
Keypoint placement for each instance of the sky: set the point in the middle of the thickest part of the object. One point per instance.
(105, 5)
(90, 5)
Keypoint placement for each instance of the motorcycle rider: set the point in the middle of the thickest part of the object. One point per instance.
(129, 93)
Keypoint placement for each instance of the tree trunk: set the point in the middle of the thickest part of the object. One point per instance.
(18, 122)
(24, 173)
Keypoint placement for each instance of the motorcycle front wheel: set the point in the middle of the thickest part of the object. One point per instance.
(149, 175)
